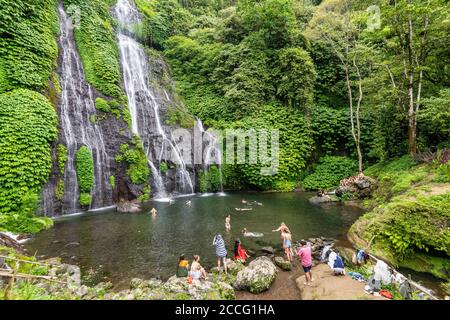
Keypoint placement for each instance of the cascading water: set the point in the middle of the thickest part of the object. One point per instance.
(212, 153)
(76, 106)
(144, 105)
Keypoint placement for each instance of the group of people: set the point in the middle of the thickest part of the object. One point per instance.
(197, 272)
(154, 212)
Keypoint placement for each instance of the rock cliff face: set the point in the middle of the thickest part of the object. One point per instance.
(359, 187)
(143, 111)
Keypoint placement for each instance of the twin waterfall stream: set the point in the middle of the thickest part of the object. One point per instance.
(76, 109)
(144, 106)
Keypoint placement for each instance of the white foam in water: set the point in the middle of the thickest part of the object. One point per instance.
(102, 209)
(162, 199)
(83, 212)
(14, 236)
(207, 194)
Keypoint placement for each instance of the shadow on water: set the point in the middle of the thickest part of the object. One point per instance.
(123, 246)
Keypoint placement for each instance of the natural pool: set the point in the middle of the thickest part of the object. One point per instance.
(122, 246)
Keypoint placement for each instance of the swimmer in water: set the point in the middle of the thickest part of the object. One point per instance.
(246, 233)
(243, 209)
(188, 203)
(153, 212)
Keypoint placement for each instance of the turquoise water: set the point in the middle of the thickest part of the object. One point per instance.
(122, 246)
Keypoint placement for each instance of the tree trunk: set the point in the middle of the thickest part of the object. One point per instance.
(412, 116)
(358, 126)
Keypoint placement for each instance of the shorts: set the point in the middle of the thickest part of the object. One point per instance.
(196, 274)
(307, 269)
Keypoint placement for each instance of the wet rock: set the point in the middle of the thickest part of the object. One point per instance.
(7, 240)
(268, 250)
(176, 285)
(72, 273)
(82, 291)
(74, 244)
(103, 286)
(283, 264)
(108, 296)
(139, 283)
(136, 283)
(360, 187)
(257, 277)
(129, 296)
(346, 254)
(323, 199)
(128, 207)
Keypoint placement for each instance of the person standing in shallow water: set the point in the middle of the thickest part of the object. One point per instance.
(305, 257)
(228, 222)
(287, 244)
(221, 252)
(282, 228)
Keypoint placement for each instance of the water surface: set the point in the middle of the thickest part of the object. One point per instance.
(124, 246)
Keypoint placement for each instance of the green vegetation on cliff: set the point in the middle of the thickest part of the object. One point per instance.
(329, 172)
(96, 43)
(136, 161)
(28, 47)
(27, 127)
(28, 54)
(85, 174)
(410, 216)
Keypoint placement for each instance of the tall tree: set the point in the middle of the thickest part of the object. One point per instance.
(334, 23)
(414, 29)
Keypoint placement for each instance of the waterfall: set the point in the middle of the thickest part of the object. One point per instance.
(76, 106)
(324, 255)
(212, 153)
(144, 105)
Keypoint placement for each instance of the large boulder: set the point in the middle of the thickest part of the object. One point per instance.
(268, 250)
(128, 207)
(323, 199)
(358, 187)
(176, 285)
(257, 277)
(207, 290)
(179, 288)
